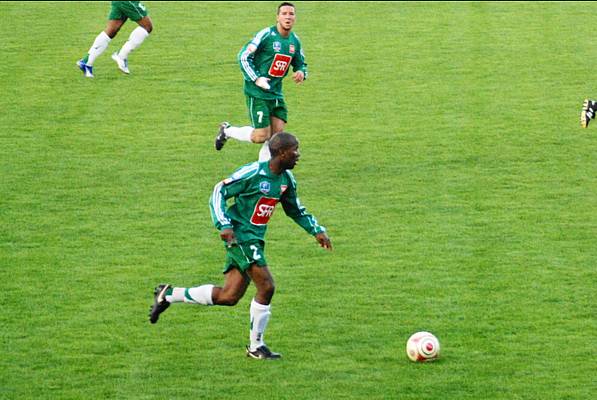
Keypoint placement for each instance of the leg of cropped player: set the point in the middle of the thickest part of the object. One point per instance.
(100, 44)
(136, 38)
(589, 108)
(119, 13)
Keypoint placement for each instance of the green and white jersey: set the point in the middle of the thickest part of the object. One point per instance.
(270, 55)
(256, 191)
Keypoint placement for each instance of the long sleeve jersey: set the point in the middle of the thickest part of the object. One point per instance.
(256, 191)
(270, 55)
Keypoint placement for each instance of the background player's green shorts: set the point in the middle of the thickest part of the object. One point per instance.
(260, 111)
(135, 10)
(241, 256)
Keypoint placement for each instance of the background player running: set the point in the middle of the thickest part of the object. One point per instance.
(264, 62)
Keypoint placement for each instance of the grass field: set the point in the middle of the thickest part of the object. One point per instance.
(441, 148)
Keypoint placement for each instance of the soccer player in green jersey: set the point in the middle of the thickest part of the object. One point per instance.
(256, 189)
(119, 13)
(264, 62)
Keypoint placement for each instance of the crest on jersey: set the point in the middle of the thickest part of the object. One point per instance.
(291, 49)
(264, 187)
(277, 46)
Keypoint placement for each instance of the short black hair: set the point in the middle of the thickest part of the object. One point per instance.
(284, 5)
(282, 141)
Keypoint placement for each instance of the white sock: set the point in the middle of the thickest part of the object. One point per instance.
(100, 44)
(260, 314)
(177, 295)
(195, 295)
(242, 133)
(137, 37)
(264, 153)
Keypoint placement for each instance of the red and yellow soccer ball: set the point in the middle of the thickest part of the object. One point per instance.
(422, 347)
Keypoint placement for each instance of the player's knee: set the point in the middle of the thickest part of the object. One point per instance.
(260, 135)
(230, 302)
(146, 24)
(267, 290)
(113, 27)
(227, 299)
(111, 33)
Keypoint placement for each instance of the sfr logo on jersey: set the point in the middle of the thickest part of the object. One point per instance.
(263, 210)
(279, 65)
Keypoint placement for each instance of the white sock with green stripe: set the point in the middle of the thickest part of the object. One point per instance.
(242, 133)
(194, 295)
(260, 314)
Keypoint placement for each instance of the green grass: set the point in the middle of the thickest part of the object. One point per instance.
(441, 147)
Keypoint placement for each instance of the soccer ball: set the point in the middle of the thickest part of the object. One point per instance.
(422, 346)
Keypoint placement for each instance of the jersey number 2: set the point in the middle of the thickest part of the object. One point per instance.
(256, 255)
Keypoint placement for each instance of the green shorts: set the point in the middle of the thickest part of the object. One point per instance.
(135, 10)
(261, 110)
(241, 256)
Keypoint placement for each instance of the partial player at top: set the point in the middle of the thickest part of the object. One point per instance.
(120, 12)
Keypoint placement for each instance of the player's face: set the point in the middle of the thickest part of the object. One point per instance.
(286, 18)
(290, 157)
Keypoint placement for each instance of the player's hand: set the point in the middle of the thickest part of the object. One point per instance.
(298, 77)
(228, 236)
(324, 240)
(262, 82)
